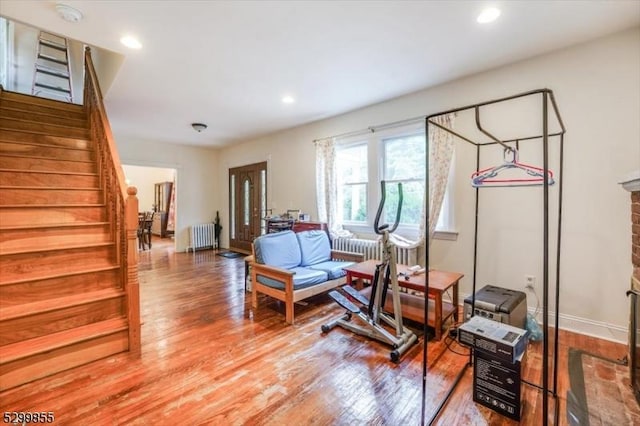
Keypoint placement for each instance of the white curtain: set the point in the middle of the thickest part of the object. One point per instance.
(326, 186)
(441, 145)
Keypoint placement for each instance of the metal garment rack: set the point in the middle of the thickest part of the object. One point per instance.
(547, 101)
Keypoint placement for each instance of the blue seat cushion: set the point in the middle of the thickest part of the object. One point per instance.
(314, 247)
(302, 278)
(332, 268)
(280, 249)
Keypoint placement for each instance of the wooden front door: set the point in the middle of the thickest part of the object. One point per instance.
(247, 204)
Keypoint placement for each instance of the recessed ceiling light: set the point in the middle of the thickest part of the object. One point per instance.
(131, 42)
(288, 99)
(489, 14)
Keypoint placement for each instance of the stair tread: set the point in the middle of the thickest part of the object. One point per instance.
(61, 275)
(61, 126)
(22, 206)
(53, 225)
(48, 305)
(52, 188)
(4, 154)
(31, 347)
(50, 172)
(55, 247)
(52, 103)
(43, 145)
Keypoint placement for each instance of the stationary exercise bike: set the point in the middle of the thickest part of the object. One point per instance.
(370, 311)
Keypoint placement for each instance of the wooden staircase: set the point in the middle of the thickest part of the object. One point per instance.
(68, 276)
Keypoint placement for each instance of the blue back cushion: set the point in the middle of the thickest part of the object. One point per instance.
(314, 247)
(280, 249)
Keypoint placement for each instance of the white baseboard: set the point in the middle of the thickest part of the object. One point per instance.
(599, 329)
(588, 327)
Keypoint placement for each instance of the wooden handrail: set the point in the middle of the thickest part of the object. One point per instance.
(92, 78)
(121, 202)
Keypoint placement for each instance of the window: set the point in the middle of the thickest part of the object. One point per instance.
(403, 160)
(396, 156)
(353, 185)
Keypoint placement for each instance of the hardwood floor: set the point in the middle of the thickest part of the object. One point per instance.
(209, 358)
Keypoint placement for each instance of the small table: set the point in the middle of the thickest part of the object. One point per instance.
(412, 305)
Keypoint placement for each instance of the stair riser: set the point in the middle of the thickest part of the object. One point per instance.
(50, 129)
(26, 137)
(10, 178)
(45, 118)
(38, 238)
(42, 365)
(45, 164)
(19, 329)
(31, 266)
(28, 150)
(17, 216)
(36, 291)
(53, 196)
(34, 100)
(7, 103)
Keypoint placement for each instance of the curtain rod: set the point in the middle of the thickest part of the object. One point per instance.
(373, 129)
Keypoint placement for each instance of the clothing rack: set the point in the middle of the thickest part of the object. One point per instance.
(548, 102)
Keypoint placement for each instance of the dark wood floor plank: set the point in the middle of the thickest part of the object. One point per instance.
(209, 358)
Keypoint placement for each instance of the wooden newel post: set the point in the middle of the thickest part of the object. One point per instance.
(131, 280)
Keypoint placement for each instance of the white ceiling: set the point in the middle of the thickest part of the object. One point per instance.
(228, 63)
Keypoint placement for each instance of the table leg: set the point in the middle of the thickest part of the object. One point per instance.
(455, 301)
(438, 315)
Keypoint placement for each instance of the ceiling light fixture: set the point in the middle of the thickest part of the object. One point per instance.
(288, 99)
(198, 127)
(131, 42)
(489, 14)
(68, 13)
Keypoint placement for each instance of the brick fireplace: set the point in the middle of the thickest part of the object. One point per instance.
(635, 233)
(632, 184)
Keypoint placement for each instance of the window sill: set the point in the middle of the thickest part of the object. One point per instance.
(446, 235)
(364, 231)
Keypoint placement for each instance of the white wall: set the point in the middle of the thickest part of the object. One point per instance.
(196, 179)
(597, 86)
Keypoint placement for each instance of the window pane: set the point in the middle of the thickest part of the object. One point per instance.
(412, 196)
(404, 157)
(351, 164)
(232, 192)
(404, 162)
(352, 176)
(353, 202)
(246, 193)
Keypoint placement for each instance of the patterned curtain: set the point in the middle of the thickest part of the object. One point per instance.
(441, 145)
(326, 184)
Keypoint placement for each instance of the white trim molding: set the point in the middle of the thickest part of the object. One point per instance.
(632, 182)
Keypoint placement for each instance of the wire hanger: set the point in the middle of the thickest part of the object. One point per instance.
(489, 176)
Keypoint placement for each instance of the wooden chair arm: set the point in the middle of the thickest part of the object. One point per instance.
(347, 255)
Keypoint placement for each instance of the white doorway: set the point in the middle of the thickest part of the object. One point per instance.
(148, 180)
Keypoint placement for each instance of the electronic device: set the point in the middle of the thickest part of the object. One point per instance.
(499, 340)
(498, 304)
(497, 384)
